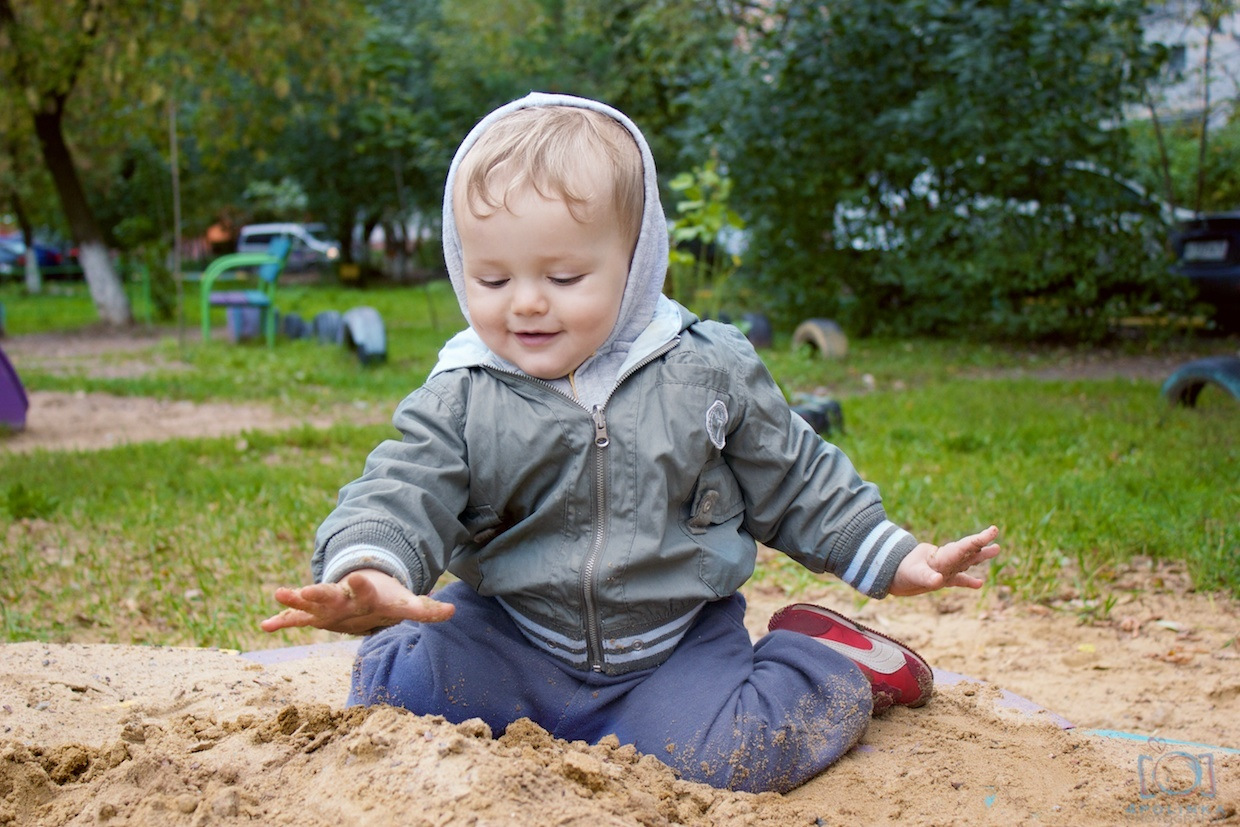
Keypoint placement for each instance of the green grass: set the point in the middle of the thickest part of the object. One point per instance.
(178, 542)
(182, 542)
(179, 365)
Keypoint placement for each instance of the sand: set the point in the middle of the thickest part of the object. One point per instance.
(1059, 720)
(132, 735)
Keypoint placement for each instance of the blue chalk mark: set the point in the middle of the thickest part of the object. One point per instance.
(1132, 736)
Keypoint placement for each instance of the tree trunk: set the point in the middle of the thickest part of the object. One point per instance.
(1202, 148)
(106, 289)
(34, 279)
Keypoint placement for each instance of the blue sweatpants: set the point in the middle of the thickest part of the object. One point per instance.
(720, 710)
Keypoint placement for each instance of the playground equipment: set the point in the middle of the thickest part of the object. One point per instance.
(359, 328)
(823, 336)
(823, 414)
(261, 299)
(13, 400)
(364, 333)
(1187, 382)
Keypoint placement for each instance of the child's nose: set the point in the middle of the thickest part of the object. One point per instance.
(529, 299)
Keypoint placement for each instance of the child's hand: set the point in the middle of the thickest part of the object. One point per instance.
(929, 568)
(364, 601)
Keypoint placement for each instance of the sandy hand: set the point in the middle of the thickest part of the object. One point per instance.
(364, 601)
(929, 568)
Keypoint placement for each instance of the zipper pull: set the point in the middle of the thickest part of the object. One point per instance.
(601, 439)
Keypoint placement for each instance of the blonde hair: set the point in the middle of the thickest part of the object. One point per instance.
(565, 152)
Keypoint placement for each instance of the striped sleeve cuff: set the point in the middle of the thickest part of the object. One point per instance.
(874, 564)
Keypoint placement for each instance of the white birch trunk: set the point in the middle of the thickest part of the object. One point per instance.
(106, 289)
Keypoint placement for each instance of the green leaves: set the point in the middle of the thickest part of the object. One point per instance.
(903, 167)
(699, 264)
(25, 503)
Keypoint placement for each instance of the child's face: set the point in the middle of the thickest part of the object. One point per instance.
(543, 289)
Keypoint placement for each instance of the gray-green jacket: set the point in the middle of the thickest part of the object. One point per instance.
(605, 514)
(603, 533)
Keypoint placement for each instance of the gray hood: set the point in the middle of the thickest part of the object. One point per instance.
(643, 294)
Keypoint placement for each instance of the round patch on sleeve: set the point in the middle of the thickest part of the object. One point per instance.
(717, 423)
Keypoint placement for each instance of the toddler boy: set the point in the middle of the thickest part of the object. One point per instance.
(594, 464)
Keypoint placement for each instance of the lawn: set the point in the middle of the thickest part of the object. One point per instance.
(182, 542)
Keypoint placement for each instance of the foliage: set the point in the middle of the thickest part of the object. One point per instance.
(699, 263)
(422, 74)
(649, 58)
(907, 171)
(108, 74)
(275, 200)
(1182, 141)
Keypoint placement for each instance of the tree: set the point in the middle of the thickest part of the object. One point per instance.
(1188, 141)
(21, 184)
(42, 69)
(424, 73)
(903, 165)
(122, 61)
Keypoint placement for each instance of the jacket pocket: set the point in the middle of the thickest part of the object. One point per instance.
(482, 523)
(716, 499)
(713, 521)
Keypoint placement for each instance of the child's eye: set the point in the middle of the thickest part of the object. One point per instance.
(494, 284)
(564, 281)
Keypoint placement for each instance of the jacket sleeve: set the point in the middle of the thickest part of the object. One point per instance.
(802, 494)
(402, 515)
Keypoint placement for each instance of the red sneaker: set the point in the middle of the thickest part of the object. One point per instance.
(897, 674)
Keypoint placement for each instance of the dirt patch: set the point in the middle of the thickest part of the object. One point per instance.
(92, 421)
(61, 421)
(126, 735)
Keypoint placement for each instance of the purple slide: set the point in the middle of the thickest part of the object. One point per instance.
(13, 401)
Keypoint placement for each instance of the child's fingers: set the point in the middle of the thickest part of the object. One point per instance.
(952, 559)
(310, 598)
(984, 538)
(429, 610)
(287, 619)
(966, 581)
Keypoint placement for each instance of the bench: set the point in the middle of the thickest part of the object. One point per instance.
(234, 267)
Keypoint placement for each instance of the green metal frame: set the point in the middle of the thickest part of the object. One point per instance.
(271, 266)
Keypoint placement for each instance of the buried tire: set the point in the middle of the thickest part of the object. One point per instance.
(328, 327)
(823, 335)
(1185, 385)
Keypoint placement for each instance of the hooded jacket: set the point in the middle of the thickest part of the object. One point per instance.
(604, 521)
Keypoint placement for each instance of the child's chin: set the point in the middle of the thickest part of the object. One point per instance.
(543, 373)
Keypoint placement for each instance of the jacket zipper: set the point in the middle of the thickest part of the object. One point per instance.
(589, 566)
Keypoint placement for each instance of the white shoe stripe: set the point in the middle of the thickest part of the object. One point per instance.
(884, 658)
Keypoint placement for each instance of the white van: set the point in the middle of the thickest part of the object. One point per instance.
(308, 250)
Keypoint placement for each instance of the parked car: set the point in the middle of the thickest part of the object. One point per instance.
(1207, 253)
(309, 250)
(8, 261)
(52, 262)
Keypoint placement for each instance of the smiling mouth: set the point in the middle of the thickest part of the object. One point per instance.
(533, 339)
